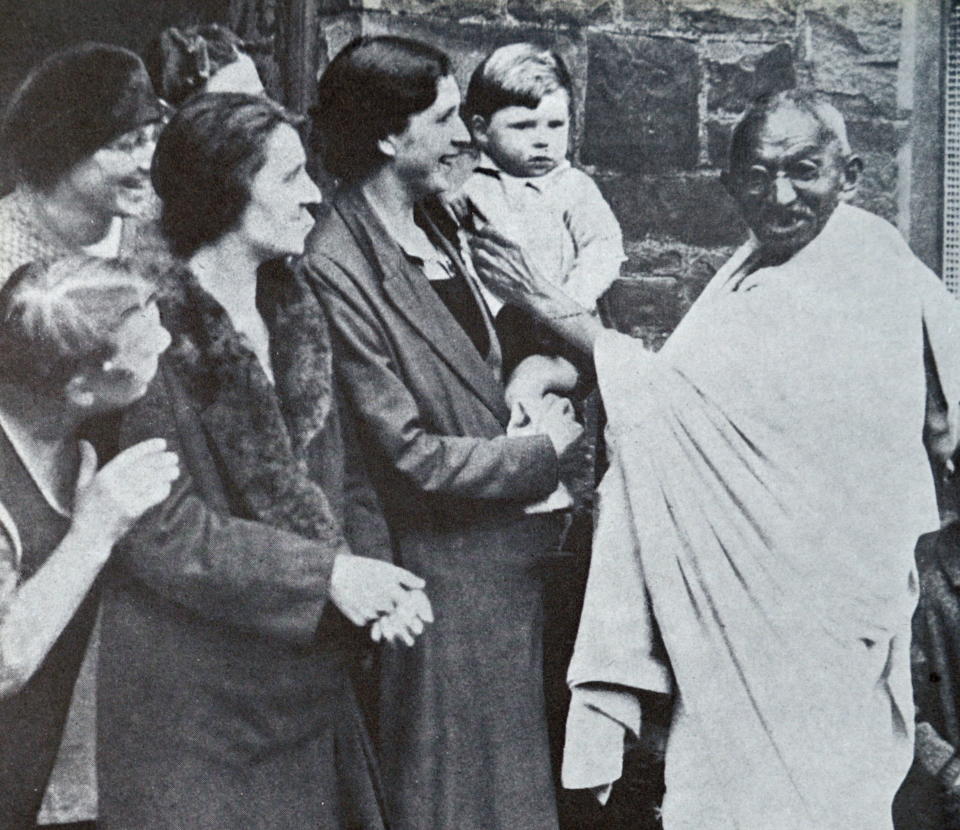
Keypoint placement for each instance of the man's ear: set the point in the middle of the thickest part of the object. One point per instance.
(852, 170)
(79, 392)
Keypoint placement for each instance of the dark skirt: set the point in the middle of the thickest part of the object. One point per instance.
(462, 718)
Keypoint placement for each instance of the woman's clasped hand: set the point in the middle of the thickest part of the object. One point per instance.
(370, 590)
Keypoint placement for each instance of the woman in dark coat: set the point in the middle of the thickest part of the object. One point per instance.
(462, 733)
(225, 699)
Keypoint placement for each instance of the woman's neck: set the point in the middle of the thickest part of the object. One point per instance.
(227, 270)
(66, 217)
(392, 202)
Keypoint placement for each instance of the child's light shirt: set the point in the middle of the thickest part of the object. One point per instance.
(561, 219)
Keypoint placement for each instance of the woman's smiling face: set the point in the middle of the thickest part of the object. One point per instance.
(277, 219)
(424, 155)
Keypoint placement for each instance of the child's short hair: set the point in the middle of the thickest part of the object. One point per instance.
(518, 75)
(59, 318)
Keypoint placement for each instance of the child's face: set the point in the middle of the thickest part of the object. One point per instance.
(524, 141)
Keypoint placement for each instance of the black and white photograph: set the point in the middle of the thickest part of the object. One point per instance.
(479, 415)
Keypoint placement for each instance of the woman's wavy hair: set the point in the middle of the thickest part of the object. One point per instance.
(369, 91)
(205, 161)
(59, 318)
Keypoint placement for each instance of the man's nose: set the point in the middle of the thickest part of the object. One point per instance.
(783, 190)
(159, 342)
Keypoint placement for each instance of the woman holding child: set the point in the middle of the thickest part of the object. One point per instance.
(227, 636)
(462, 725)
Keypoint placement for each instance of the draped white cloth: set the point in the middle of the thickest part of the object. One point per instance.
(768, 481)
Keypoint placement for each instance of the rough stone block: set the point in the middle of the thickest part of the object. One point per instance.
(456, 9)
(878, 186)
(563, 12)
(645, 307)
(651, 14)
(689, 208)
(862, 82)
(734, 84)
(875, 135)
(768, 18)
(872, 24)
(641, 107)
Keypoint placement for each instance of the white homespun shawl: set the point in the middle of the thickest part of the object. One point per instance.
(767, 484)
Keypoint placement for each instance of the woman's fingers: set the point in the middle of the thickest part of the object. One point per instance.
(405, 622)
(137, 452)
(408, 579)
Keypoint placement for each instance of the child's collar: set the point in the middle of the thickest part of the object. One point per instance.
(488, 166)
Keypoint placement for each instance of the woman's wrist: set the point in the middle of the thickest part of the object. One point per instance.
(89, 543)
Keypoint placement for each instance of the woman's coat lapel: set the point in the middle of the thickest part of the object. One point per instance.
(409, 291)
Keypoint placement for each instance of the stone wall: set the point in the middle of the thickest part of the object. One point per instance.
(659, 85)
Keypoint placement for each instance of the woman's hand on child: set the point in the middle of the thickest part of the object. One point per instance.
(108, 502)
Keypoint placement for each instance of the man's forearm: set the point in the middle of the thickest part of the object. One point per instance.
(567, 318)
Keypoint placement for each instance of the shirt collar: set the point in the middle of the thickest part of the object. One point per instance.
(488, 166)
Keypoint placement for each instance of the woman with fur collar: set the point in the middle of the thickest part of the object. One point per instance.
(227, 636)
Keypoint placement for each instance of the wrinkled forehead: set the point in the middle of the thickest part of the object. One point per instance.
(784, 132)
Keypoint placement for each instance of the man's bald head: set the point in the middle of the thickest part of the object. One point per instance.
(812, 103)
(790, 166)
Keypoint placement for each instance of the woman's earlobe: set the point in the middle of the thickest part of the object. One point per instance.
(78, 392)
(387, 147)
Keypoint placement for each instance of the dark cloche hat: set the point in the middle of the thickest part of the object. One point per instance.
(70, 105)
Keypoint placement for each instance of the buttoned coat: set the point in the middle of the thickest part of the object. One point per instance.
(462, 727)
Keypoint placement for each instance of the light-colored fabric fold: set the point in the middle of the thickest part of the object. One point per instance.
(771, 484)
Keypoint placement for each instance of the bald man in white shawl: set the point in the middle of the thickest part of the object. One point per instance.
(768, 481)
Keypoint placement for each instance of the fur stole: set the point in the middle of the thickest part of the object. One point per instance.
(262, 434)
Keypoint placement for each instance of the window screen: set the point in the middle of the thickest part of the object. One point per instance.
(951, 161)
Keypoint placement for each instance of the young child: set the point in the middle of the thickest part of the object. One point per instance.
(518, 108)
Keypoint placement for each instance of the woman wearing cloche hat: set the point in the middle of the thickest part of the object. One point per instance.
(77, 136)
